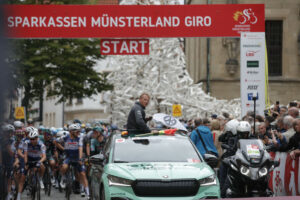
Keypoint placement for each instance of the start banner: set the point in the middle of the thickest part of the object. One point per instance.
(132, 21)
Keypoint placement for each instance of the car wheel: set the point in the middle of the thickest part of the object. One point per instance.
(102, 194)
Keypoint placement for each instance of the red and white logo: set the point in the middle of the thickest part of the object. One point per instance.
(247, 15)
(251, 53)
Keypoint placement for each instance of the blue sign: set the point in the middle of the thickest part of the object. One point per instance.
(250, 96)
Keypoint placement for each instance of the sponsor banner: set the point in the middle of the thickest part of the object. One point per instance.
(253, 72)
(285, 179)
(124, 46)
(132, 21)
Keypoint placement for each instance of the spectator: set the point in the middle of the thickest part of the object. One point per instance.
(294, 112)
(263, 134)
(215, 129)
(222, 121)
(283, 110)
(259, 118)
(294, 142)
(206, 135)
(288, 125)
(280, 126)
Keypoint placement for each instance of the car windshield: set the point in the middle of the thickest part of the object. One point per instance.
(155, 149)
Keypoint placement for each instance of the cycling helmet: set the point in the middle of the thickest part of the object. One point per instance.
(8, 128)
(114, 127)
(243, 129)
(30, 121)
(77, 121)
(18, 124)
(62, 134)
(74, 127)
(33, 133)
(53, 131)
(98, 129)
(231, 126)
(41, 127)
(29, 128)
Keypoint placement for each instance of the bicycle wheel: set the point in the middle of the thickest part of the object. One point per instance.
(32, 185)
(69, 183)
(38, 187)
(47, 181)
(15, 192)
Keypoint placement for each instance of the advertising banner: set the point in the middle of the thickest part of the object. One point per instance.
(132, 21)
(285, 179)
(124, 46)
(252, 72)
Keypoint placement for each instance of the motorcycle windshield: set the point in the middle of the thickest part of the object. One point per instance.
(252, 149)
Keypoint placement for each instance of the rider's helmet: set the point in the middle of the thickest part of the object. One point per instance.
(230, 127)
(243, 130)
(33, 133)
(88, 127)
(98, 129)
(8, 128)
(30, 121)
(74, 127)
(53, 131)
(76, 121)
(18, 124)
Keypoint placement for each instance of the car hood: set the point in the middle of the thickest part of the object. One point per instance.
(159, 171)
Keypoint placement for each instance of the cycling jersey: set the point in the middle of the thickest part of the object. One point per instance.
(50, 147)
(96, 146)
(34, 151)
(71, 147)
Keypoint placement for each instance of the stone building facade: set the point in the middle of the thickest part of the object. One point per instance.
(283, 42)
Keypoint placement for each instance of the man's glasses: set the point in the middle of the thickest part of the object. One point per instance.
(33, 139)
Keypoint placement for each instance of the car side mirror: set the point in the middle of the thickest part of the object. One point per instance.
(225, 146)
(97, 159)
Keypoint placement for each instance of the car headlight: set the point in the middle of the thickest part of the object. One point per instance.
(211, 180)
(263, 172)
(117, 181)
(244, 170)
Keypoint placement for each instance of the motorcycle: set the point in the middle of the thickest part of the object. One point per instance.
(249, 170)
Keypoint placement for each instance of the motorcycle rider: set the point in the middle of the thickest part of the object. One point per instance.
(243, 131)
(229, 138)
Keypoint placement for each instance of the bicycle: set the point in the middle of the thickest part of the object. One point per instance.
(70, 174)
(47, 178)
(33, 181)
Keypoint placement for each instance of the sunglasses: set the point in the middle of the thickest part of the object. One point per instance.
(33, 138)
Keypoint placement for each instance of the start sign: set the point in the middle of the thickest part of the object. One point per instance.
(124, 46)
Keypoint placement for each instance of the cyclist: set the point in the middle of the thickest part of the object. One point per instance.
(98, 140)
(73, 147)
(51, 154)
(8, 154)
(34, 156)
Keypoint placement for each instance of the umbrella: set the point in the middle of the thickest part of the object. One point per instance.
(169, 121)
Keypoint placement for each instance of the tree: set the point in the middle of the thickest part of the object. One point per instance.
(59, 67)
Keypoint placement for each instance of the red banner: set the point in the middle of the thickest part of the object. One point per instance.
(132, 21)
(285, 179)
(124, 47)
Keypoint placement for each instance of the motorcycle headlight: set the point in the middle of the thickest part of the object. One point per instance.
(244, 170)
(117, 181)
(263, 172)
(211, 180)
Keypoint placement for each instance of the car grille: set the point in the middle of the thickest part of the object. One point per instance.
(165, 188)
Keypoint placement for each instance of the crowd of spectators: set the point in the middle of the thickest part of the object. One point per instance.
(279, 128)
